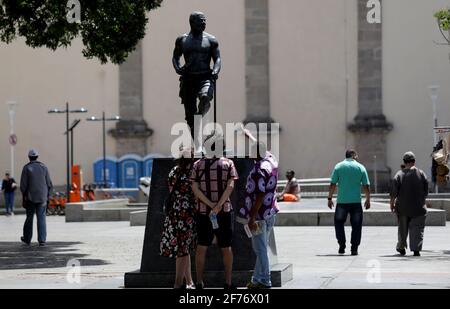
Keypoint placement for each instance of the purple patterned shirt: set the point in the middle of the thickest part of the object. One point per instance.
(262, 179)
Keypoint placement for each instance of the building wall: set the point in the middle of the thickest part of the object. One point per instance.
(40, 80)
(313, 50)
(412, 62)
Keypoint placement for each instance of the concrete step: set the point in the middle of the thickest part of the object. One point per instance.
(325, 218)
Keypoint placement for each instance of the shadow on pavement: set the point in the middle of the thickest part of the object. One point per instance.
(15, 255)
(427, 255)
(331, 255)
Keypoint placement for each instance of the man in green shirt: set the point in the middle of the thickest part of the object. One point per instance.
(349, 175)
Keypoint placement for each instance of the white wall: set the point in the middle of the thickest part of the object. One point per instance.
(39, 80)
(412, 62)
(312, 51)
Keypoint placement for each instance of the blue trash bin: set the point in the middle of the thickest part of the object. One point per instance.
(130, 170)
(111, 171)
(147, 164)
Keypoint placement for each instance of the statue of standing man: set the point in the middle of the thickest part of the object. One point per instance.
(197, 77)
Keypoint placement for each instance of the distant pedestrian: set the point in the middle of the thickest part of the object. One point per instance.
(408, 195)
(9, 185)
(178, 238)
(349, 176)
(36, 186)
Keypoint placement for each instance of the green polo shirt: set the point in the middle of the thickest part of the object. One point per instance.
(349, 175)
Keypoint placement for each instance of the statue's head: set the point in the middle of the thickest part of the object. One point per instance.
(198, 22)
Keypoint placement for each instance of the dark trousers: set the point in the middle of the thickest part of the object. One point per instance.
(356, 220)
(193, 88)
(40, 211)
(415, 226)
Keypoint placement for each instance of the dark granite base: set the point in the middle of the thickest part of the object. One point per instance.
(280, 274)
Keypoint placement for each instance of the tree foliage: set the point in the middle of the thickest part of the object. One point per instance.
(443, 19)
(109, 29)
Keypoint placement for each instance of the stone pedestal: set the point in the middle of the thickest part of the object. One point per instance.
(157, 271)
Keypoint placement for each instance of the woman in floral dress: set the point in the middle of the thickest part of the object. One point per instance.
(178, 238)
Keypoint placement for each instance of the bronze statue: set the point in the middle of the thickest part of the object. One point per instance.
(196, 76)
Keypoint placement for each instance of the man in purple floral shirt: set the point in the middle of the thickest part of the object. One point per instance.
(260, 210)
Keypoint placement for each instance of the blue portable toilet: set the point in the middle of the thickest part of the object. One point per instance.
(147, 164)
(111, 171)
(130, 170)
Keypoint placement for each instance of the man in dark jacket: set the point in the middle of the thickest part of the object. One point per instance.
(409, 191)
(36, 186)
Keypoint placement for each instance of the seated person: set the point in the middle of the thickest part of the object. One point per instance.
(291, 192)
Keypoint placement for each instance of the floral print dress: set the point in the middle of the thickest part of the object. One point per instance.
(178, 238)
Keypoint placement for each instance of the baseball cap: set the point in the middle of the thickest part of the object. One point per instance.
(409, 156)
(33, 153)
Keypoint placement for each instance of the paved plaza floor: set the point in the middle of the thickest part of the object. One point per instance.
(106, 250)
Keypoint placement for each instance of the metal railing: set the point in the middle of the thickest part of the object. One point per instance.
(317, 187)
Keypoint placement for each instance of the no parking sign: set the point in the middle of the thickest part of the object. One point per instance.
(13, 140)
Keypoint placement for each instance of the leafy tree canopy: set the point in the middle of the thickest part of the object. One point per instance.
(109, 29)
(443, 19)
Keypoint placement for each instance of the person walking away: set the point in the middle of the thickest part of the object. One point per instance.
(408, 195)
(36, 186)
(349, 175)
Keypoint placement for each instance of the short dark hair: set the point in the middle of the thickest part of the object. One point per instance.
(350, 153)
(290, 172)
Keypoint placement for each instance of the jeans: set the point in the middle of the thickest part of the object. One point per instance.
(40, 210)
(261, 273)
(9, 202)
(356, 220)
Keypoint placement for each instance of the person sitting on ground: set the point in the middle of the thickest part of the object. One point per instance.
(291, 193)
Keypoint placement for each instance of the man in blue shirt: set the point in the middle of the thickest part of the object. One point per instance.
(349, 175)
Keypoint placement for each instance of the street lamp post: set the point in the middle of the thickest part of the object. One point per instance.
(71, 129)
(12, 136)
(103, 120)
(434, 93)
(67, 111)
